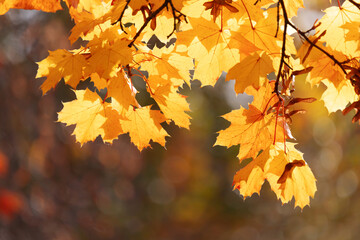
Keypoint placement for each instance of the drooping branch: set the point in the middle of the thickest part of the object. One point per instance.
(313, 44)
(283, 49)
(332, 57)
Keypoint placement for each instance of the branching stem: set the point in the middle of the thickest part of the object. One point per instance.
(176, 15)
(356, 4)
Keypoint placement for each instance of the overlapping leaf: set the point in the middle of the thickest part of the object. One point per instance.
(254, 129)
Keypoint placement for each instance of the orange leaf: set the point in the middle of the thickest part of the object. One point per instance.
(254, 128)
(43, 5)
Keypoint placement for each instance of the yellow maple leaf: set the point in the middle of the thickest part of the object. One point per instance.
(254, 128)
(112, 126)
(338, 98)
(249, 179)
(143, 126)
(166, 63)
(263, 33)
(88, 24)
(289, 175)
(99, 82)
(87, 5)
(214, 48)
(353, 33)
(87, 112)
(120, 89)
(335, 35)
(198, 8)
(251, 71)
(106, 57)
(61, 64)
(324, 68)
(339, 91)
(292, 7)
(172, 104)
(164, 27)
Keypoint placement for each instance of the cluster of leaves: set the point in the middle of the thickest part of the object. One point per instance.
(247, 39)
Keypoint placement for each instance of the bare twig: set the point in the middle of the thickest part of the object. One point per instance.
(304, 36)
(356, 4)
(122, 15)
(283, 49)
(336, 62)
(176, 14)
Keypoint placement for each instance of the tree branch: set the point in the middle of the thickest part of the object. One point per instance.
(317, 47)
(177, 19)
(356, 4)
(122, 15)
(302, 34)
(283, 49)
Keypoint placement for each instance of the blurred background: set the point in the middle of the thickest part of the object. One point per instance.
(51, 188)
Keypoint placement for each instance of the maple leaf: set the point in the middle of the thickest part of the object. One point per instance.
(249, 179)
(143, 126)
(293, 6)
(290, 177)
(209, 44)
(339, 91)
(120, 90)
(254, 128)
(247, 39)
(88, 112)
(43, 5)
(263, 33)
(105, 58)
(337, 99)
(335, 35)
(161, 28)
(173, 105)
(353, 33)
(216, 7)
(288, 174)
(87, 5)
(166, 63)
(323, 67)
(61, 64)
(251, 71)
(88, 24)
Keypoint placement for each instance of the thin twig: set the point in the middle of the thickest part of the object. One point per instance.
(317, 47)
(177, 19)
(148, 19)
(122, 15)
(283, 49)
(356, 4)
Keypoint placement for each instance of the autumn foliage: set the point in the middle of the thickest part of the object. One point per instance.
(199, 39)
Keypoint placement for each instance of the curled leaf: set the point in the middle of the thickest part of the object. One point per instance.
(289, 169)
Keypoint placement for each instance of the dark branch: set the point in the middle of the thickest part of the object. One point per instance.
(176, 14)
(177, 17)
(317, 47)
(304, 36)
(356, 4)
(283, 49)
(122, 15)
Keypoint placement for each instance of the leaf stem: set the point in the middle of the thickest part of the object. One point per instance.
(252, 26)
